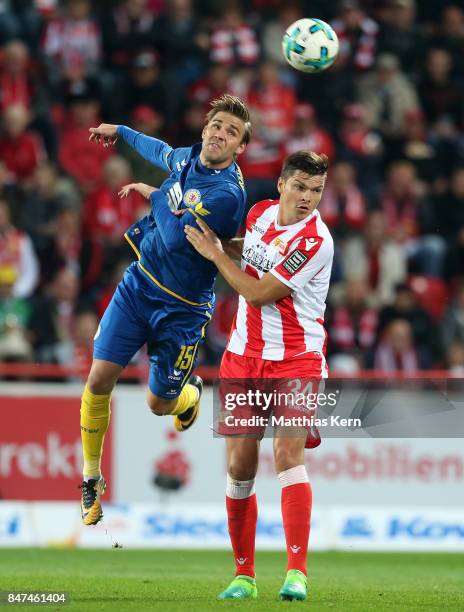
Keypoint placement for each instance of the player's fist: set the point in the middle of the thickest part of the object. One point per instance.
(105, 133)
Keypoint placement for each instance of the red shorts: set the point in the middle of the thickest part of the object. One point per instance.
(309, 365)
(256, 392)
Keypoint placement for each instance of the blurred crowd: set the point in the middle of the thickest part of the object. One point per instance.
(389, 114)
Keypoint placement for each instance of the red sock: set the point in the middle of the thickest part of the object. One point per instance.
(296, 517)
(242, 516)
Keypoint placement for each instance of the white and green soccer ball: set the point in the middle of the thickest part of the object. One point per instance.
(310, 45)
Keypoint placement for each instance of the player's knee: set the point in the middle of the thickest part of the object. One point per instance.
(158, 405)
(100, 382)
(241, 468)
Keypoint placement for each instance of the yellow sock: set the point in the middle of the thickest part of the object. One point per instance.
(95, 417)
(187, 399)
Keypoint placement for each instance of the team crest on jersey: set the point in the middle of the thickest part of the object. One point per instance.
(192, 197)
(280, 245)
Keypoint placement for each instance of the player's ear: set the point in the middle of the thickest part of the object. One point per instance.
(240, 149)
(280, 184)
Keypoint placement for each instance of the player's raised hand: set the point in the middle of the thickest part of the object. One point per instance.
(105, 134)
(125, 191)
(144, 190)
(204, 240)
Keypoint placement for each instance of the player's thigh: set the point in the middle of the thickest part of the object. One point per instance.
(175, 337)
(122, 330)
(242, 456)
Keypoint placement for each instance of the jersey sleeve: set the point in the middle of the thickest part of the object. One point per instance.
(304, 261)
(225, 217)
(155, 151)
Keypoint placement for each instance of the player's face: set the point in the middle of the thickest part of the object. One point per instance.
(300, 194)
(222, 139)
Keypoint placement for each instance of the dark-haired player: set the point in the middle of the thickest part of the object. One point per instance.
(286, 260)
(165, 298)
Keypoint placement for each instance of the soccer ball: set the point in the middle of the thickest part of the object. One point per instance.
(310, 45)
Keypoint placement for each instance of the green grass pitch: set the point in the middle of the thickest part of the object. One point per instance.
(120, 580)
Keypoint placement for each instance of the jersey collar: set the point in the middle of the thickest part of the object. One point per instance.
(204, 170)
(297, 225)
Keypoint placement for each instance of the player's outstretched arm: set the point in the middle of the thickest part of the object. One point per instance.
(257, 292)
(152, 149)
(144, 190)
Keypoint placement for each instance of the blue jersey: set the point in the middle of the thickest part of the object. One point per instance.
(216, 196)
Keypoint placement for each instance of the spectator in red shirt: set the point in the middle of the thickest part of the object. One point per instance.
(15, 78)
(106, 215)
(307, 135)
(233, 40)
(20, 83)
(73, 39)
(353, 323)
(343, 207)
(77, 155)
(396, 352)
(21, 149)
(357, 34)
(261, 164)
(374, 258)
(399, 201)
(210, 87)
(359, 144)
(273, 103)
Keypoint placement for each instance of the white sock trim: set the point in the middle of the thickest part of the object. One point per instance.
(239, 489)
(295, 475)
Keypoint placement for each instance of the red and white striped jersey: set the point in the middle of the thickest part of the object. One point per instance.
(300, 256)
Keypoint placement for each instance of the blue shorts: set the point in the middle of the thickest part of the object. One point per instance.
(140, 313)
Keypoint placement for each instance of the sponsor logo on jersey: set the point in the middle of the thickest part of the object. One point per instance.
(294, 262)
(180, 165)
(258, 260)
(310, 243)
(258, 229)
(192, 197)
(201, 210)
